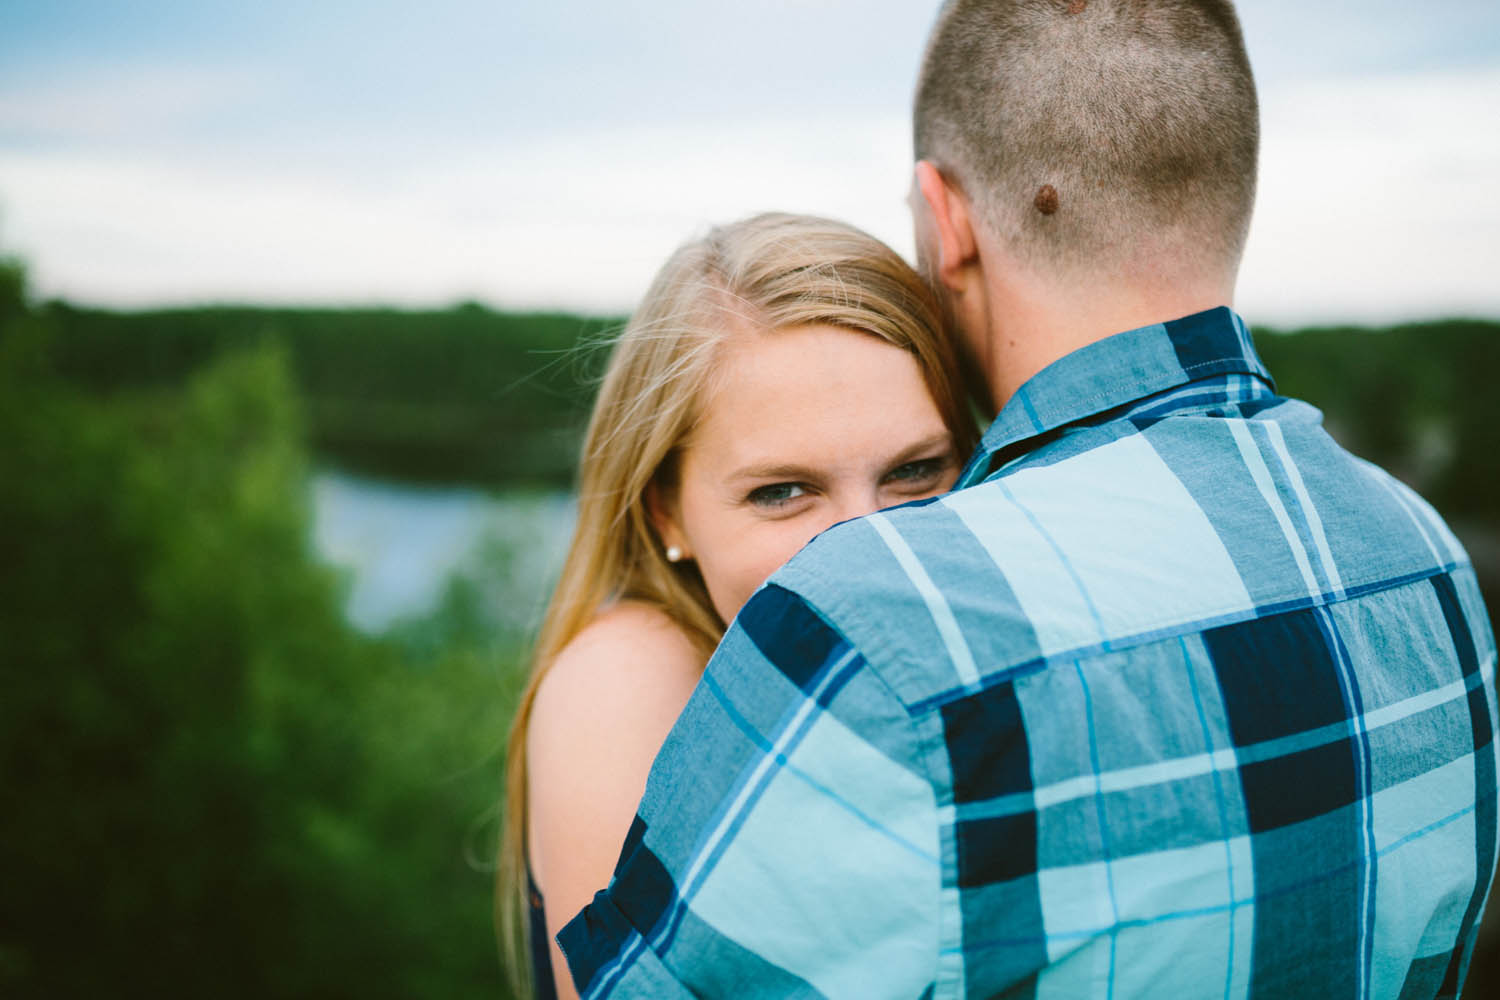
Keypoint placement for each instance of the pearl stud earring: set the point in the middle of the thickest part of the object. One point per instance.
(674, 554)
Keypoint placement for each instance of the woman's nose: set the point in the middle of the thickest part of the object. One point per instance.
(855, 503)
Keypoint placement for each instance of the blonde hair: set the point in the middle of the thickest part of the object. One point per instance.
(761, 274)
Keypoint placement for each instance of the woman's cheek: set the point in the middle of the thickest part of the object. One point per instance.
(778, 546)
(745, 557)
(758, 552)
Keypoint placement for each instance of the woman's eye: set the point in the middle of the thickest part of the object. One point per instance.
(776, 494)
(920, 471)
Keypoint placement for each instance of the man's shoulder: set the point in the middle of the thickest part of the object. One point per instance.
(1112, 538)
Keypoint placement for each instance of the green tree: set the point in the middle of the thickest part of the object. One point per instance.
(213, 785)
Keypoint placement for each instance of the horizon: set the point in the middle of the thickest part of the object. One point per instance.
(586, 316)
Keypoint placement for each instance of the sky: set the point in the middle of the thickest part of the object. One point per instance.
(551, 153)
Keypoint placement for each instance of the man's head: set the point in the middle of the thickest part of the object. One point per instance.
(1099, 145)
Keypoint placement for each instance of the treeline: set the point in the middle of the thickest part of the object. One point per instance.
(457, 395)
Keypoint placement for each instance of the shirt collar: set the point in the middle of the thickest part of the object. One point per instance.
(1114, 372)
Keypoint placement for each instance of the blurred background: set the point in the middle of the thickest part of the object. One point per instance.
(299, 312)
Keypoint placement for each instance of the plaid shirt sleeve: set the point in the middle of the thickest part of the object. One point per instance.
(790, 771)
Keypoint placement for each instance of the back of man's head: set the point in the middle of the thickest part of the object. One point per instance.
(1095, 136)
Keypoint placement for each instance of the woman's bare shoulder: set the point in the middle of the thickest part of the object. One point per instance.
(602, 710)
(631, 625)
(630, 670)
(601, 713)
(629, 649)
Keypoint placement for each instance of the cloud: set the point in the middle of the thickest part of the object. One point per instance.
(580, 221)
(1377, 203)
(1377, 200)
(125, 105)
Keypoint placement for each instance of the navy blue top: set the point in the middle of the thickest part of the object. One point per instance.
(541, 961)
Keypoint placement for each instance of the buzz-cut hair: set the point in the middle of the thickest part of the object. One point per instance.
(1087, 132)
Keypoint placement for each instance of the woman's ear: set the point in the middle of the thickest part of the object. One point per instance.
(661, 510)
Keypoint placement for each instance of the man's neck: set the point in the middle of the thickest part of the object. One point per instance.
(1030, 324)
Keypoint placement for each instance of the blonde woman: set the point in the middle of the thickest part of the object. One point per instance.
(782, 374)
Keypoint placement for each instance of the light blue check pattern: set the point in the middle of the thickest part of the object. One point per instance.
(1171, 698)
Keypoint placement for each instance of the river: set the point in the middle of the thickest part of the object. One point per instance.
(400, 545)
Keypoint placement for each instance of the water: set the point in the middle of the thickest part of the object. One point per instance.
(401, 544)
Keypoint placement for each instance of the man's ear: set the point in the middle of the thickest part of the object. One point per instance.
(662, 513)
(952, 228)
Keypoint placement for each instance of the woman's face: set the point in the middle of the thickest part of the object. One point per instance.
(805, 427)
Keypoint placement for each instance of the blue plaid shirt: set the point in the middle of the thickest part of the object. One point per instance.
(1173, 697)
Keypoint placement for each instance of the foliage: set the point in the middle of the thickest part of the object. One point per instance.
(214, 786)
(12, 289)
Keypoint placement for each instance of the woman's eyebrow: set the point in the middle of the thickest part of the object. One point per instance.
(771, 470)
(943, 440)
